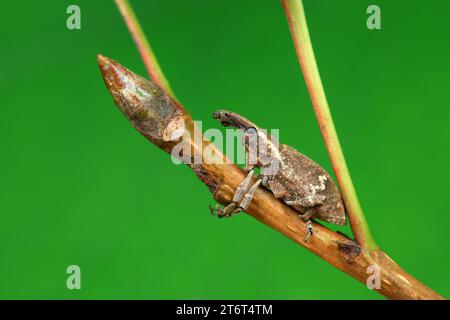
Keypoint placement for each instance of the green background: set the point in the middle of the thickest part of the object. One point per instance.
(80, 186)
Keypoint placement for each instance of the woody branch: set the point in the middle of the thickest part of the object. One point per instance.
(223, 179)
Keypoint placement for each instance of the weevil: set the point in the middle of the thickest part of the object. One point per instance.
(291, 176)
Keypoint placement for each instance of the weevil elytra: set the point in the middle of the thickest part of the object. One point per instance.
(297, 180)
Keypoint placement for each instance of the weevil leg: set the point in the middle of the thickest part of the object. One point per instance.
(249, 195)
(306, 216)
(222, 212)
(243, 187)
(309, 230)
(248, 167)
(239, 196)
(308, 201)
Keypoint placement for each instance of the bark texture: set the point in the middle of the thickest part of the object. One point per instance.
(162, 119)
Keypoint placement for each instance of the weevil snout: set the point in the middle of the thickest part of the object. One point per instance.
(216, 115)
(228, 118)
(224, 117)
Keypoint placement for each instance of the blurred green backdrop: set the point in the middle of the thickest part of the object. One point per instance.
(80, 186)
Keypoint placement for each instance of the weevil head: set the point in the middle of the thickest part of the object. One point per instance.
(261, 151)
(231, 119)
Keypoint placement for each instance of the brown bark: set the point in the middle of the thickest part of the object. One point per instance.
(145, 113)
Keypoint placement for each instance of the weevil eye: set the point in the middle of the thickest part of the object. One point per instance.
(250, 130)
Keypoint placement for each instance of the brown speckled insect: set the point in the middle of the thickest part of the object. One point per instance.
(298, 181)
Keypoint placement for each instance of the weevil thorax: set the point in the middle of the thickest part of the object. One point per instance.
(262, 151)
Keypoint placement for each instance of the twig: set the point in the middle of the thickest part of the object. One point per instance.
(299, 30)
(222, 180)
(157, 119)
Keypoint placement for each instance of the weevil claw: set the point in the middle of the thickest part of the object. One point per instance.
(212, 210)
(309, 230)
